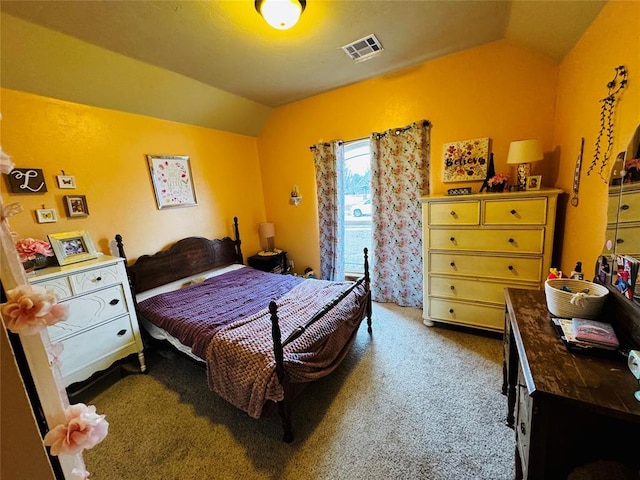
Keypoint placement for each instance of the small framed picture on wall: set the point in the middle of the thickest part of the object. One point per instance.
(46, 215)
(66, 181)
(76, 205)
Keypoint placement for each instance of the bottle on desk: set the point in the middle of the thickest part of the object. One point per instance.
(577, 272)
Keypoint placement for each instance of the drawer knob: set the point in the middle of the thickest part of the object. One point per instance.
(451, 310)
(453, 264)
(121, 333)
(624, 207)
(453, 214)
(115, 301)
(453, 240)
(513, 212)
(510, 267)
(98, 279)
(511, 240)
(452, 287)
(619, 240)
(523, 428)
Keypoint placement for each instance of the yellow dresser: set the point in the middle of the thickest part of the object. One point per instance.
(474, 246)
(623, 220)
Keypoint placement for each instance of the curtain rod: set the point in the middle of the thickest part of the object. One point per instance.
(424, 123)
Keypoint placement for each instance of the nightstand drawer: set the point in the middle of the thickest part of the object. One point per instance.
(490, 240)
(88, 310)
(454, 213)
(95, 278)
(526, 269)
(516, 212)
(467, 313)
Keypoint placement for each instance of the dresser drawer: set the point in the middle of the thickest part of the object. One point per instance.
(88, 310)
(454, 213)
(60, 286)
(628, 239)
(469, 289)
(490, 240)
(95, 278)
(94, 344)
(515, 212)
(451, 311)
(497, 267)
(629, 210)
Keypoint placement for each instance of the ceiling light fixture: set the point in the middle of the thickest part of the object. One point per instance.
(281, 14)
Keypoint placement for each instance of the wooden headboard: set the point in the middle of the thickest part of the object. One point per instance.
(189, 256)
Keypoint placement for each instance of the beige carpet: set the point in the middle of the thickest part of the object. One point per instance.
(409, 402)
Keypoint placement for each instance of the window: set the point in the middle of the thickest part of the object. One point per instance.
(357, 202)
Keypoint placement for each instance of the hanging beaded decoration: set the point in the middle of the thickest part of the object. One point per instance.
(607, 114)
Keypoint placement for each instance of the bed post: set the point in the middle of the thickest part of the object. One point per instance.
(367, 283)
(120, 247)
(121, 253)
(236, 231)
(284, 406)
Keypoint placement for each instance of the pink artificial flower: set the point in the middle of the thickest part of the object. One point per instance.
(498, 178)
(80, 474)
(30, 308)
(28, 248)
(84, 429)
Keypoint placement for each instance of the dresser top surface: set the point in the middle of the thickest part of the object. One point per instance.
(598, 382)
(100, 261)
(548, 192)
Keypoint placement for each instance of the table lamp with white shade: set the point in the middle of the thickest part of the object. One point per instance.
(267, 233)
(523, 153)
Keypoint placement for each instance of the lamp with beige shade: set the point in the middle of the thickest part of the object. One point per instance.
(523, 153)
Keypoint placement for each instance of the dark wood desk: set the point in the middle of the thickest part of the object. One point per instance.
(568, 409)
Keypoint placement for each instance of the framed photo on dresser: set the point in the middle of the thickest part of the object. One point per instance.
(72, 247)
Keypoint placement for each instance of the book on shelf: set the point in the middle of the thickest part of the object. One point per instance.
(594, 332)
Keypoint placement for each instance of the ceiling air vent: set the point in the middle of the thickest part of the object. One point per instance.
(363, 49)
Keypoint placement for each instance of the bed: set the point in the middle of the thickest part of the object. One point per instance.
(199, 296)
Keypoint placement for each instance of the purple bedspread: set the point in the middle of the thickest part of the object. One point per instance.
(226, 322)
(194, 314)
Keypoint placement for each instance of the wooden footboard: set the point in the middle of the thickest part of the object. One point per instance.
(284, 406)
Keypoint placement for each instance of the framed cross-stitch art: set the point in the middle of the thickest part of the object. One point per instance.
(465, 160)
(172, 181)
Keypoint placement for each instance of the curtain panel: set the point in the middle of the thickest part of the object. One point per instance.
(329, 166)
(399, 177)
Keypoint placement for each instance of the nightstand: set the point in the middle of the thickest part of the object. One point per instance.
(276, 263)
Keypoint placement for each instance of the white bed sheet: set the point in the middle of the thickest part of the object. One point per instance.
(161, 334)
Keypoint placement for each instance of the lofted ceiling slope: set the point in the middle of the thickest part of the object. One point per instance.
(218, 64)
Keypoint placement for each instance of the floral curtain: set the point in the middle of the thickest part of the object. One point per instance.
(329, 164)
(399, 177)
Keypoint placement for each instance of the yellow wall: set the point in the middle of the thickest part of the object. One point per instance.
(611, 40)
(105, 151)
(498, 90)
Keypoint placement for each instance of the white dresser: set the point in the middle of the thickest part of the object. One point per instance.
(102, 326)
(476, 245)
